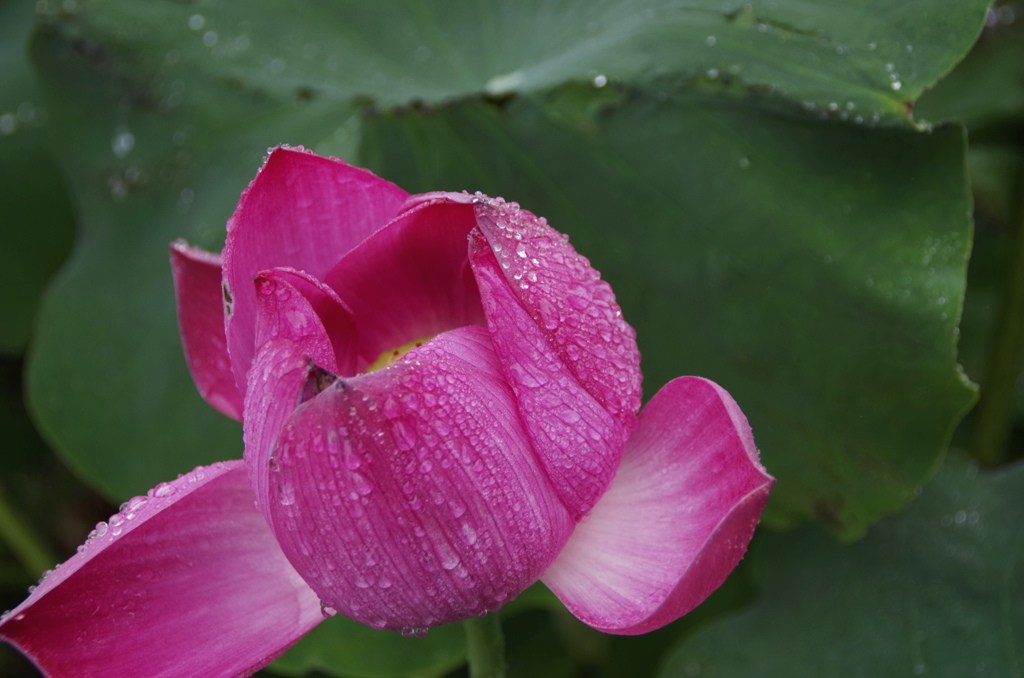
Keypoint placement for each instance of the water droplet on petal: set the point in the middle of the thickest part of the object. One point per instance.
(164, 490)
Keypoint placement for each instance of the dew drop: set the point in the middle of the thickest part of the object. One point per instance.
(405, 435)
(469, 534)
(362, 486)
(123, 142)
(286, 494)
(164, 490)
(457, 508)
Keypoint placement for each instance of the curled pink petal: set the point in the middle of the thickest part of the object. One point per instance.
(296, 306)
(187, 581)
(197, 286)
(281, 375)
(409, 496)
(574, 309)
(677, 519)
(576, 440)
(565, 349)
(411, 279)
(302, 211)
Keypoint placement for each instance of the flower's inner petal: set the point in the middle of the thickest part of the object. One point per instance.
(293, 304)
(576, 439)
(301, 211)
(411, 279)
(187, 581)
(677, 519)
(574, 309)
(280, 378)
(296, 359)
(197, 286)
(409, 496)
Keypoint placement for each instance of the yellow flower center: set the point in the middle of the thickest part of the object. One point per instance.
(392, 356)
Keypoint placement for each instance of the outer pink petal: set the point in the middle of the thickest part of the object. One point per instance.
(412, 278)
(409, 497)
(676, 520)
(301, 211)
(197, 285)
(187, 581)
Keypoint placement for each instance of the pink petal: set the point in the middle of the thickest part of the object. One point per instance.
(197, 285)
(282, 373)
(187, 581)
(577, 440)
(412, 278)
(294, 345)
(677, 519)
(574, 309)
(301, 211)
(409, 496)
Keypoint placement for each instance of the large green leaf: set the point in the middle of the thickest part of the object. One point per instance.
(988, 87)
(162, 109)
(816, 270)
(868, 57)
(986, 93)
(38, 219)
(936, 591)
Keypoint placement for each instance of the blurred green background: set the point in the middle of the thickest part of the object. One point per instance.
(784, 195)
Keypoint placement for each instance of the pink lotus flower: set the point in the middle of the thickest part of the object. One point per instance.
(439, 399)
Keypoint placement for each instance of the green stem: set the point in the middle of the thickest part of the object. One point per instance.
(32, 553)
(995, 410)
(485, 647)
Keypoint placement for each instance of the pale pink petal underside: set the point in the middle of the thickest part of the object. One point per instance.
(302, 211)
(578, 442)
(188, 581)
(409, 496)
(677, 519)
(412, 278)
(197, 286)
